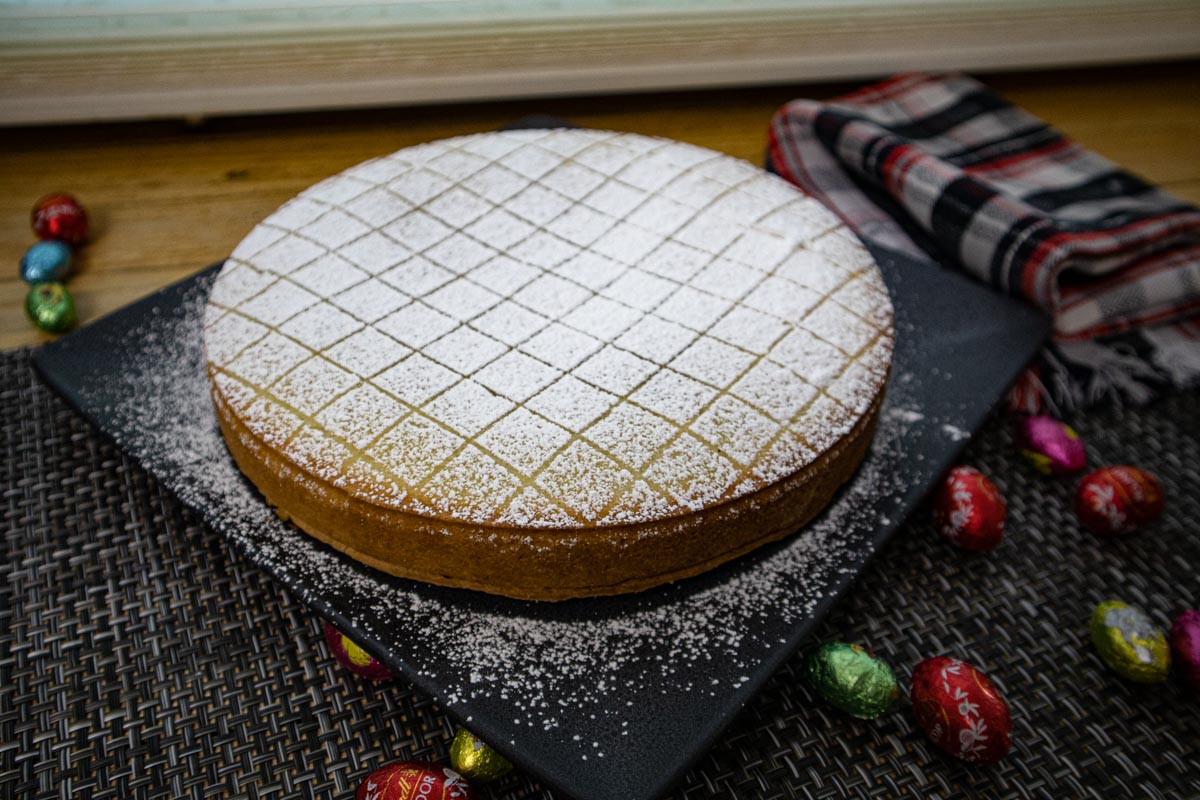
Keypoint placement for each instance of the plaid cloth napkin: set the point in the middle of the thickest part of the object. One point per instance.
(940, 167)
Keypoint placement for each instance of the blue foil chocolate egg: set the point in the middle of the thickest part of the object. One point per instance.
(46, 262)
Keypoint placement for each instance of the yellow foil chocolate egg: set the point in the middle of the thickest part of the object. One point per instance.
(475, 760)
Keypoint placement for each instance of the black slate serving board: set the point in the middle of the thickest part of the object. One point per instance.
(669, 668)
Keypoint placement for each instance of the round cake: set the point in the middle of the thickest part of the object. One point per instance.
(549, 363)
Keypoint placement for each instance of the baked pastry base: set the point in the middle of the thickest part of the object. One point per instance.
(544, 563)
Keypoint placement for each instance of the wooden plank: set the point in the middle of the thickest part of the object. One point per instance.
(168, 198)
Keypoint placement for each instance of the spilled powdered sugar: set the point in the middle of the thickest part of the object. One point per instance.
(955, 433)
(590, 664)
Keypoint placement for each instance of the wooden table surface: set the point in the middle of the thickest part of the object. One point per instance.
(168, 198)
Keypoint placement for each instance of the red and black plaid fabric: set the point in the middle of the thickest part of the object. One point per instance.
(940, 167)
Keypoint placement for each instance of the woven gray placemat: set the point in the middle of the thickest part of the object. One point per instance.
(140, 657)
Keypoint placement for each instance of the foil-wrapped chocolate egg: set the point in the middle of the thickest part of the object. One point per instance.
(1129, 643)
(50, 307)
(968, 510)
(46, 262)
(1185, 646)
(353, 657)
(960, 710)
(1027, 394)
(475, 759)
(60, 217)
(1114, 501)
(1053, 447)
(410, 780)
(851, 678)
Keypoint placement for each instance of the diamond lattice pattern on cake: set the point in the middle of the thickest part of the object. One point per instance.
(550, 328)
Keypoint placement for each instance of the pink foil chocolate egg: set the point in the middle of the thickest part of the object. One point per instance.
(1185, 646)
(353, 657)
(1053, 447)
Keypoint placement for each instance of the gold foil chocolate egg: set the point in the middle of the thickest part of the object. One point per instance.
(475, 759)
(1128, 642)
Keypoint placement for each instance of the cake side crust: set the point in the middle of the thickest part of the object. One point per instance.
(544, 563)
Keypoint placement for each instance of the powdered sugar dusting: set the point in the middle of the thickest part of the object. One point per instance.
(564, 291)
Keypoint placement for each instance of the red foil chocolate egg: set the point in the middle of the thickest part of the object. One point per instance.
(959, 709)
(968, 510)
(410, 780)
(1114, 501)
(1185, 646)
(1053, 447)
(1027, 395)
(353, 657)
(60, 217)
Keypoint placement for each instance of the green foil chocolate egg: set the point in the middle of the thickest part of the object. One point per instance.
(1127, 640)
(50, 307)
(475, 759)
(851, 678)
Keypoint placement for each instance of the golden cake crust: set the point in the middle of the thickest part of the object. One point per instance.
(544, 564)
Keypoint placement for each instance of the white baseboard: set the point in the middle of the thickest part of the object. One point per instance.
(53, 70)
